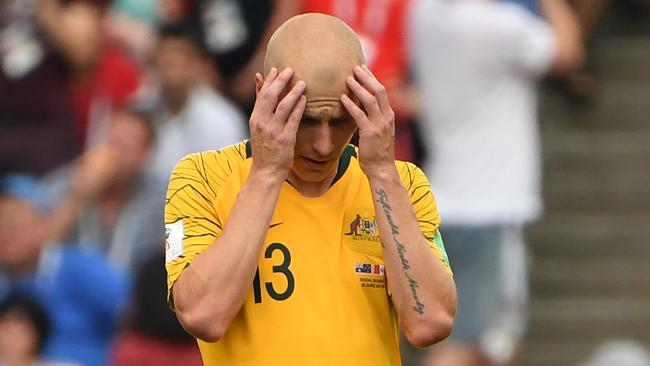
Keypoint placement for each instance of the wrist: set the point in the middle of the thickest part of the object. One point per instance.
(386, 174)
(260, 178)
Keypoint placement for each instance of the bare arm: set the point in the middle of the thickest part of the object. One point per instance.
(239, 87)
(75, 29)
(211, 291)
(423, 292)
(569, 47)
(92, 173)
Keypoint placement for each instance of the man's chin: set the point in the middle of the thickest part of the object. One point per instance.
(313, 175)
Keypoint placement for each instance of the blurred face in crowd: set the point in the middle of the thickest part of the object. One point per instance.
(129, 137)
(23, 231)
(326, 127)
(18, 338)
(179, 64)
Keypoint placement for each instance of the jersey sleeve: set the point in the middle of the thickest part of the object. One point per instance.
(426, 211)
(192, 222)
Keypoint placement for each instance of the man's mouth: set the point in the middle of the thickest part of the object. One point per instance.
(315, 162)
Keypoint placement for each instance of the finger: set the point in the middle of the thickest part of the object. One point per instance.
(369, 101)
(287, 104)
(280, 83)
(259, 81)
(293, 122)
(370, 82)
(268, 98)
(273, 73)
(357, 113)
(260, 107)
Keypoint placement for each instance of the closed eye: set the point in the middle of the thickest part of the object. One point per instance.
(309, 121)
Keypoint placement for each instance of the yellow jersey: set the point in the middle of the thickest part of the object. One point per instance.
(319, 296)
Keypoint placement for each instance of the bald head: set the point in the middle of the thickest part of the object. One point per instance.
(321, 49)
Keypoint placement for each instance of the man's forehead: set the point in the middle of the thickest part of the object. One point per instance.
(327, 108)
(319, 46)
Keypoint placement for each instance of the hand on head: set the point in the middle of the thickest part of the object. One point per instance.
(376, 121)
(312, 64)
(274, 122)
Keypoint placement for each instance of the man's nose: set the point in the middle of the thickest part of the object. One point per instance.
(323, 144)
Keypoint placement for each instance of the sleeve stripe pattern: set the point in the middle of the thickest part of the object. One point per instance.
(424, 205)
(193, 189)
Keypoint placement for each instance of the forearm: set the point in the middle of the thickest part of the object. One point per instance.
(239, 86)
(212, 290)
(422, 291)
(66, 213)
(567, 33)
(282, 10)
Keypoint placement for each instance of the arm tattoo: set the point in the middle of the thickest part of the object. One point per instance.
(401, 250)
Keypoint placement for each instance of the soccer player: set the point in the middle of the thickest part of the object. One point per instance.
(259, 267)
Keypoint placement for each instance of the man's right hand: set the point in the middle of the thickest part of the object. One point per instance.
(274, 123)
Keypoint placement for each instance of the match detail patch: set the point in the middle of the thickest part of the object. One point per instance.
(174, 235)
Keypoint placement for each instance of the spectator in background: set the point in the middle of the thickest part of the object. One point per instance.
(108, 198)
(24, 330)
(110, 85)
(82, 295)
(133, 24)
(190, 116)
(154, 336)
(381, 27)
(477, 65)
(235, 33)
(43, 44)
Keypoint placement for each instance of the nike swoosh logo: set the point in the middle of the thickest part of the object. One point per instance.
(274, 225)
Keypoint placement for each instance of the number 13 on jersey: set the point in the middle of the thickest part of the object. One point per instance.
(282, 268)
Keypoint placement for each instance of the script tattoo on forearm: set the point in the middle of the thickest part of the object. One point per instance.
(401, 250)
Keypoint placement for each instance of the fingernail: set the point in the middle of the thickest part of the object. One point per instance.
(288, 69)
(344, 97)
(301, 84)
(365, 67)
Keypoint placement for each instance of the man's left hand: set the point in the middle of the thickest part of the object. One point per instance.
(376, 122)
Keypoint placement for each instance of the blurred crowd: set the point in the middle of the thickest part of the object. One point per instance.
(99, 99)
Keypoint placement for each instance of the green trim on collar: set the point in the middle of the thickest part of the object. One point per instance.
(344, 161)
(249, 149)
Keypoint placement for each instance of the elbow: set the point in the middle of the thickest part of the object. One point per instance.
(201, 325)
(200, 315)
(568, 59)
(429, 331)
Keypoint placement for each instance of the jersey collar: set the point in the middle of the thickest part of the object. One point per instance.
(344, 160)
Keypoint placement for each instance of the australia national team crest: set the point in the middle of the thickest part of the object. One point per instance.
(360, 232)
(363, 228)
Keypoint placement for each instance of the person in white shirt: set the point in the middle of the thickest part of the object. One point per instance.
(191, 116)
(477, 64)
